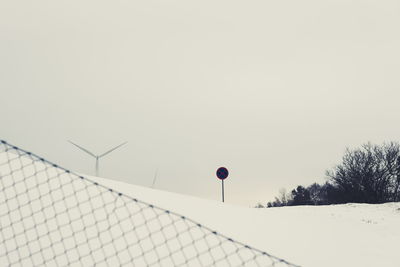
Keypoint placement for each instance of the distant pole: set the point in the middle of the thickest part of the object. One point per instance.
(97, 166)
(222, 174)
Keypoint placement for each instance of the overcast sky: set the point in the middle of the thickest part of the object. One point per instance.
(273, 90)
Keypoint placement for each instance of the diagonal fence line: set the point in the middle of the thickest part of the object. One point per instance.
(54, 217)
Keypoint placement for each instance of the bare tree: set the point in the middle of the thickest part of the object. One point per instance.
(284, 196)
(369, 174)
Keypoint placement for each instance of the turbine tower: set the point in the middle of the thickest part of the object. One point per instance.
(97, 157)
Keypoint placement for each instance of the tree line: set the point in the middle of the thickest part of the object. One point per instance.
(369, 174)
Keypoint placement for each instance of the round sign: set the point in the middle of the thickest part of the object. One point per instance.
(222, 173)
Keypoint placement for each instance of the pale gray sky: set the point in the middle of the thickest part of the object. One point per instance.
(273, 90)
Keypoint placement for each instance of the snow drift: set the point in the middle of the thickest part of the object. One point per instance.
(315, 236)
(51, 216)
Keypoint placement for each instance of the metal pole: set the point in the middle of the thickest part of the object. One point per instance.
(97, 166)
(223, 200)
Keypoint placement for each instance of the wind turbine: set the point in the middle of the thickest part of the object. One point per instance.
(155, 178)
(97, 157)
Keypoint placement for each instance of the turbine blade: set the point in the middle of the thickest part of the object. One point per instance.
(112, 149)
(155, 178)
(84, 149)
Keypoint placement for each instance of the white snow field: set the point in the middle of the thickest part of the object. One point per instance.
(51, 217)
(335, 235)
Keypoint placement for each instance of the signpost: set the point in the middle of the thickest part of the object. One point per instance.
(222, 174)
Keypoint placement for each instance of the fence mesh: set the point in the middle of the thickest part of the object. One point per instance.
(51, 216)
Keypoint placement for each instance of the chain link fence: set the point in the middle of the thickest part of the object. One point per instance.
(53, 217)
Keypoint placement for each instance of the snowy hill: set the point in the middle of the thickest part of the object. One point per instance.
(314, 236)
(51, 216)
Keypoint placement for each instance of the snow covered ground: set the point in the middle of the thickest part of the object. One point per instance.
(51, 217)
(314, 236)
